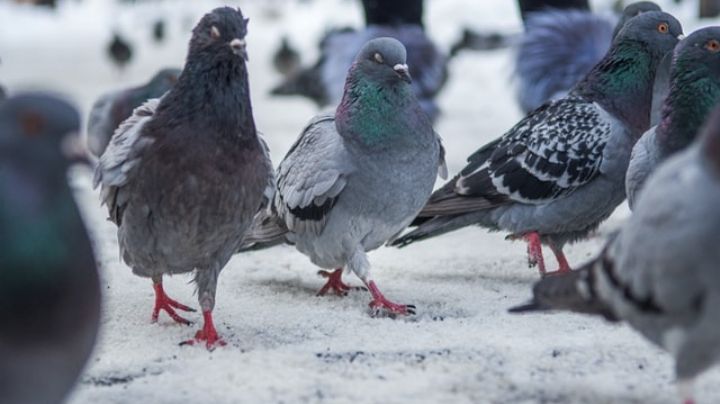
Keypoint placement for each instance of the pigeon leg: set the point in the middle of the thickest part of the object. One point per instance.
(207, 334)
(163, 302)
(685, 390)
(379, 302)
(562, 261)
(334, 283)
(534, 249)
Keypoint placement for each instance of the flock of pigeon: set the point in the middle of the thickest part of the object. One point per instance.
(189, 183)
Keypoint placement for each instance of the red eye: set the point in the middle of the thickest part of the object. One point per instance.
(32, 124)
(713, 45)
(663, 28)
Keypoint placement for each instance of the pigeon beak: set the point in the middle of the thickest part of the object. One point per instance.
(680, 37)
(74, 150)
(239, 48)
(403, 72)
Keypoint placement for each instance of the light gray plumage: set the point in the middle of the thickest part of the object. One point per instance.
(693, 93)
(185, 175)
(111, 109)
(660, 272)
(557, 174)
(357, 177)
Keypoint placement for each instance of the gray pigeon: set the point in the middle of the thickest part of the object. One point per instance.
(557, 174)
(400, 19)
(356, 178)
(110, 110)
(660, 272)
(185, 175)
(49, 287)
(695, 90)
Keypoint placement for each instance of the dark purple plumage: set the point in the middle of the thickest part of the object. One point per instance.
(184, 176)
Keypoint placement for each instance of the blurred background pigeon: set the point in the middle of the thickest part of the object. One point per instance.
(400, 19)
(49, 288)
(694, 92)
(158, 30)
(286, 60)
(111, 109)
(119, 51)
(660, 273)
(563, 40)
(357, 177)
(3, 93)
(560, 172)
(185, 175)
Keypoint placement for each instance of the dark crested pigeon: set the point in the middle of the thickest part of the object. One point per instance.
(557, 174)
(400, 19)
(694, 91)
(660, 272)
(561, 45)
(49, 287)
(185, 175)
(111, 109)
(357, 177)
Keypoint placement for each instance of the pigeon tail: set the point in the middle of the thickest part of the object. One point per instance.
(558, 49)
(571, 291)
(267, 231)
(435, 226)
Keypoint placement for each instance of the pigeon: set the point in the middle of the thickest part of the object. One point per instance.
(185, 175)
(560, 46)
(110, 110)
(400, 19)
(357, 177)
(559, 172)
(286, 59)
(158, 30)
(119, 51)
(694, 92)
(49, 286)
(659, 272)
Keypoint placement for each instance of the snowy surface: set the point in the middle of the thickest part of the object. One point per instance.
(285, 344)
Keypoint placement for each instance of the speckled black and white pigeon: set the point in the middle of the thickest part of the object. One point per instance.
(184, 176)
(694, 92)
(357, 177)
(561, 45)
(49, 288)
(660, 272)
(558, 173)
(111, 109)
(400, 19)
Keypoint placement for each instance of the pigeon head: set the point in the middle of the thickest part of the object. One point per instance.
(220, 33)
(633, 10)
(382, 60)
(699, 55)
(41, 131)
(694, 89)
(656, 30)
(710, 142)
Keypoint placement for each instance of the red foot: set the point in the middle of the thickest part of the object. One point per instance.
(379, 303)
(163, 302)
(563, 266)
(534, 249)
(334, 283)
(207, 334)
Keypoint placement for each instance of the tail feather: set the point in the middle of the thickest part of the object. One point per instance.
(431, 227)
(558, 49)
(267, 231)
(575, 291)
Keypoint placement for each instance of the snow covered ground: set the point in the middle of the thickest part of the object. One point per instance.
(285, 344)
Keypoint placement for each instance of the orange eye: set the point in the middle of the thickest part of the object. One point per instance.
(713, 45)
(663, 28)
